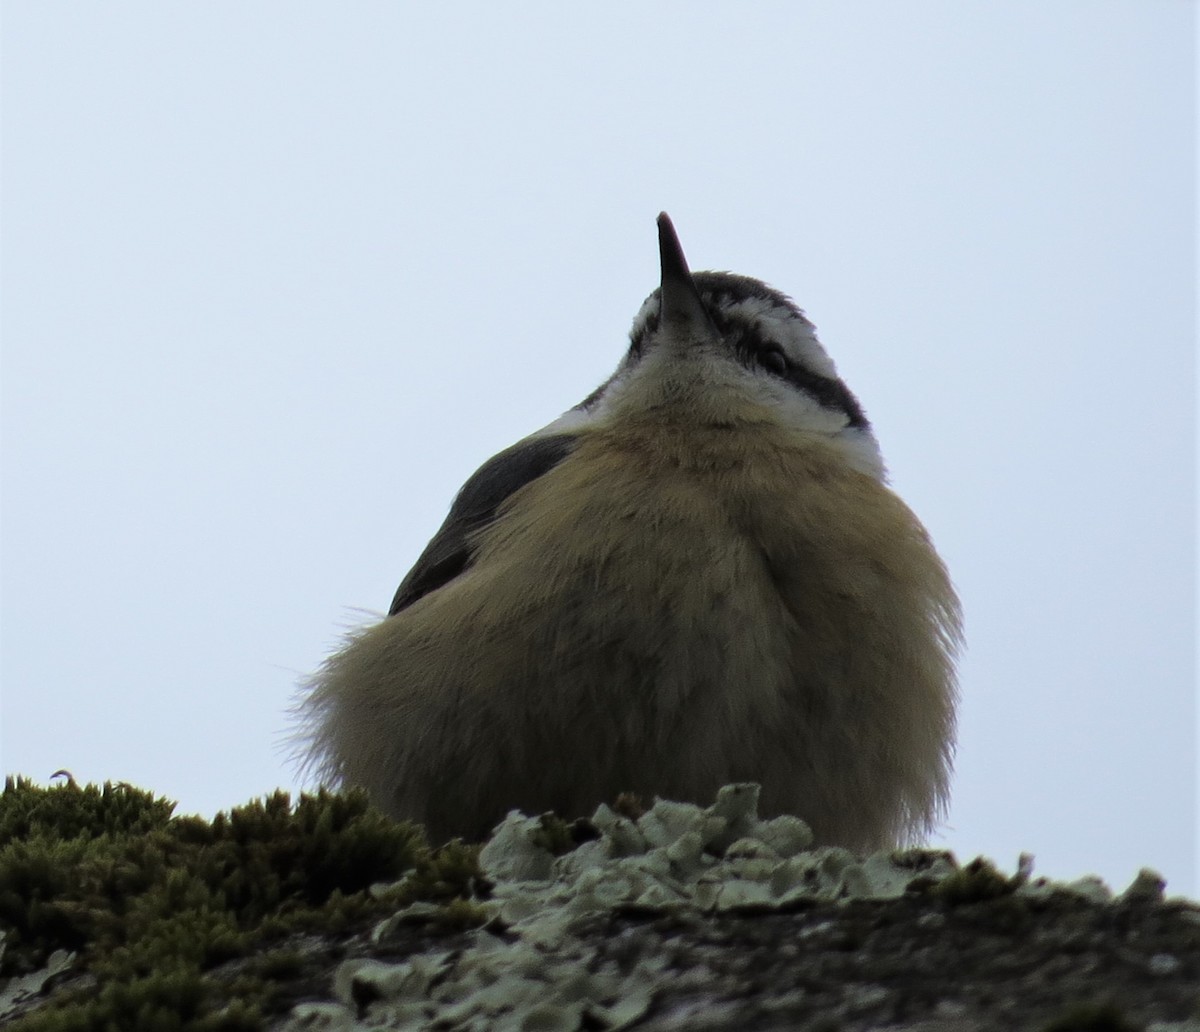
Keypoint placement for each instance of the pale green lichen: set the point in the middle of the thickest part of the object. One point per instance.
(671, 859)
(722, 858)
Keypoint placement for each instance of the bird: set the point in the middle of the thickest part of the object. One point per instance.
(697, 576)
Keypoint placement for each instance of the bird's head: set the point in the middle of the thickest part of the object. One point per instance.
(722, 349)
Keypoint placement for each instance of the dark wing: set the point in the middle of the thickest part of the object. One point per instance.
(450, 553)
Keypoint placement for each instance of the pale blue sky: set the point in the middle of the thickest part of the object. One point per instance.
(277, 277)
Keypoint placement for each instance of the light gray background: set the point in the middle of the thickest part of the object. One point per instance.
(277, 277)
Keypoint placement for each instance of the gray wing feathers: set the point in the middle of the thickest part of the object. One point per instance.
(450, 553)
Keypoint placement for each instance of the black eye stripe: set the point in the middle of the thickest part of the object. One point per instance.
(829, 393)
(753, 349)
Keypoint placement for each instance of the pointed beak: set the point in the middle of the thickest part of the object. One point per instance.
(682, 308)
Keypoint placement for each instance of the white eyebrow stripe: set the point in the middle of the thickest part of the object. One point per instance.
(787, 327)
(780, 323)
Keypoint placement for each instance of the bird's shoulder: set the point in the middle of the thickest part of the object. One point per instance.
(449, 553)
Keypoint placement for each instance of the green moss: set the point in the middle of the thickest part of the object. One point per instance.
(553, 834)
(975, 883)
(451, 872)
(69, 811)
(152, 904)
(456, 915)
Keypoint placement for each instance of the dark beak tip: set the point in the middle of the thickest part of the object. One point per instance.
(680, 304)
(674, 264)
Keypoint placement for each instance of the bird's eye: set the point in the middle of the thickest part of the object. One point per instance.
(773, 360)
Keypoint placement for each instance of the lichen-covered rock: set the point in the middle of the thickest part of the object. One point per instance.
(323, 915)
(542, 962)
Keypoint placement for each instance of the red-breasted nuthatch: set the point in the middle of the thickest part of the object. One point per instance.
(696, 576)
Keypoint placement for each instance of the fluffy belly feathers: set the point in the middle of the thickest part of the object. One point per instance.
(629, 625)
